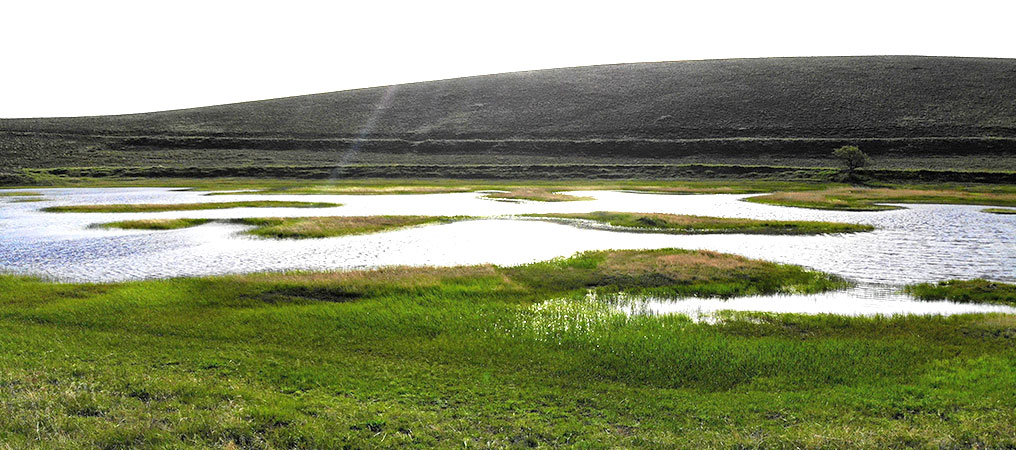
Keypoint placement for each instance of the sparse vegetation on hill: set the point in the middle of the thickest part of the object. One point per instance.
(904, 111)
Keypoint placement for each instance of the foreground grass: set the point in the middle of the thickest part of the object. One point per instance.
(460, 357)
(685, 224)
(999, 211)
(128, 208)
(966, 291)
(866, 199)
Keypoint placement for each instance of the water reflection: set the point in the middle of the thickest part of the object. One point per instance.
(862, 300)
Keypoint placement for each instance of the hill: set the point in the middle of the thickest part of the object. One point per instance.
(960, 109)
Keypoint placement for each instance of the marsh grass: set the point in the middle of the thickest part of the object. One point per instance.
(294, 227)
(966, 291)
(20, 194)
(867, 199)
(477, 357)
(535, 195)
(686, 224)
(438, 186)
(999, 211)
(153, 224)
(132, 208)
(322, 227)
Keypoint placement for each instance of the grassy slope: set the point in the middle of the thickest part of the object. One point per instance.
(148, 207)
(685, 224)
(779, 111)
(795, 97)
(456, 357)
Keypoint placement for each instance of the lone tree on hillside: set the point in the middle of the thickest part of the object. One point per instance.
(852, 157)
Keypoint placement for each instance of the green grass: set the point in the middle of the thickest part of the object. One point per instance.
(294, 227)
(475, 357)
(685, 224)
(322, 227)
(867, 199)
(153, 224)
(999, 211)
(535, 195)
(20, 194)
(132, 208)
(382, 186)
(966, 291)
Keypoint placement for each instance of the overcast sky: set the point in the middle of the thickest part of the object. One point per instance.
(67, 58)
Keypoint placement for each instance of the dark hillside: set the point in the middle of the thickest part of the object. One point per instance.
(904, 105)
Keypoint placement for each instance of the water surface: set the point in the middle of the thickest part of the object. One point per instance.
(917, 244)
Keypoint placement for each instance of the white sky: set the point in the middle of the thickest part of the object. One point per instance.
(66, 58)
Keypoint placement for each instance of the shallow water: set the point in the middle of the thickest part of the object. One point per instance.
(862, 300)
(916, 244)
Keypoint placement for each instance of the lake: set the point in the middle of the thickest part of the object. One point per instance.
(916, 244)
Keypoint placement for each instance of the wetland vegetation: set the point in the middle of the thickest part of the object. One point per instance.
(868, 199)
(332, 226)
(999, 210)
(321, 227)
(153, 224)
(294, 227)
(535, 194)
(142, 207)
(474, 356)
(966, 291)
(685, 224)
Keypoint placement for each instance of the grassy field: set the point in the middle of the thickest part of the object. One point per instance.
(152, 207)
(478, 357)
(685, 224)
(966, 291)
(867, 199)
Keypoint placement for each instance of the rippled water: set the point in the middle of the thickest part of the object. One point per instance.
(916, 244)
